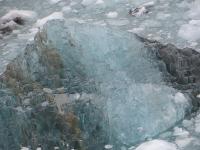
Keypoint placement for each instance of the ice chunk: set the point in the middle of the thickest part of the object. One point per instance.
(127, 79)
(13, 14)
(180, 98)
(149, 4)
(190, 31)
(88, 2)
(112, 14)
(182, 137)
(55, 1)
(142, 9)
(55, 15)
(138, 11)
(24, 148)
(45, 104)
(157, 145)
(108, 146)
(180, 132)
(99, 2)
(136, 30)
(47, 90)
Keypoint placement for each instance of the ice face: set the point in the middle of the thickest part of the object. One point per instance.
(127, 78)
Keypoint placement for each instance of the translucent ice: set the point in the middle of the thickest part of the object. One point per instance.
(138, 104)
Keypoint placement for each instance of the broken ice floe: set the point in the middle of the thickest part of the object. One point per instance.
(141, 10)
(13, 18)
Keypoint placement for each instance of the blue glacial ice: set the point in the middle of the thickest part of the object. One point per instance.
(96, 53)
(128, 81)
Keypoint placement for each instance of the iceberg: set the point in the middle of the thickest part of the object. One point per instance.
(84, 83)
(116, 67)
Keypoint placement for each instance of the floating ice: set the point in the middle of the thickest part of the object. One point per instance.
(112, 14)
(190, 31)
(127, 81)
(138, 11)
(180, 132)
(180, 98)
(24, 148)
(13, 14)
(182, 137)
(55, 1)
(38, 148)
(157, 145)
(108, 146)
(88, 2)
(99, 2)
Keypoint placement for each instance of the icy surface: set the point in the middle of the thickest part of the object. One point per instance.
(137, 80)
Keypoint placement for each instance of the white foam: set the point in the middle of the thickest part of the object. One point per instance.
(55, 15)
(157, 145)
